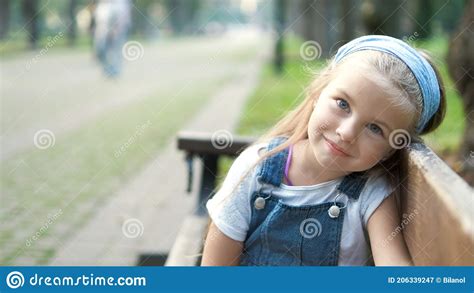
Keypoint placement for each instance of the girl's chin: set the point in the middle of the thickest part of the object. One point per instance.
(327, 160)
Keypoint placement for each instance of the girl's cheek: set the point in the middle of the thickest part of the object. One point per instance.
(327, 121)
(321, 124)
(373, 151)
(324, 114)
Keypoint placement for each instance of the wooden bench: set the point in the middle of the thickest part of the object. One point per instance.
(187, 248)
(441, 229)
(437, 211)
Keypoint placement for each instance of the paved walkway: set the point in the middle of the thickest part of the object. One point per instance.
(154, 202)
(65, 92)
(62, 90)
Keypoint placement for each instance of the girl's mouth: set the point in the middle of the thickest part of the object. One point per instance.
(335, 149)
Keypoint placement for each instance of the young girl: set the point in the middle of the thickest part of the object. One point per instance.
(322, 187)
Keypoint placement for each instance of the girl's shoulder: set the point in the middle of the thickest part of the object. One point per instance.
(376, 189)
(229, 208)
(377, 180)
(251, 154)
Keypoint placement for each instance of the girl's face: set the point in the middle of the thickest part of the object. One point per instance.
(352, 120)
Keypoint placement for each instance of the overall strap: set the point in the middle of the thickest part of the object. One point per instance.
(352, 184)
(273, 167)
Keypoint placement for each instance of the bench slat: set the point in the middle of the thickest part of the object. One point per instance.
(203, 143)
(438, 211)
(188, 246)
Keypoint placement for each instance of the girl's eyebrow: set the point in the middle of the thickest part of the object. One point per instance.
(342, 91)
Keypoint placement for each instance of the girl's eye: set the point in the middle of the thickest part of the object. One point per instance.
(343, 104)
(375, 129)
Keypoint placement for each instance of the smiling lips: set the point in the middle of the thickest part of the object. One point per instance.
(335, 149)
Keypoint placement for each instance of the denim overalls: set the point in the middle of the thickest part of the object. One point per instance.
(283, 235)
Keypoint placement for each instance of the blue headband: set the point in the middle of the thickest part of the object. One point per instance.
(418, 65)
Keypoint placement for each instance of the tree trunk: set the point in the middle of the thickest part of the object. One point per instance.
(72, 28)
(424, 13)
(4, 18)
(182, 14)
(386, 18)
(280, 9)
(461, 67)
(30, 18)
(317, 19)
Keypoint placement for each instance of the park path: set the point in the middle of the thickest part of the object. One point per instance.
(156, 197)
(58, 98)
(61, 90)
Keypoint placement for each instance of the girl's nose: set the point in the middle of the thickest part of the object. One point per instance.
(347, 130)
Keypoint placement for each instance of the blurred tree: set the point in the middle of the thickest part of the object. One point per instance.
(72, 25)
(446, 14)
(423, 17)
(141, 16)
(390, 18)
(91, 7)
(315, 23)
(461, 67)
(348, 22)
(280, 10)
(4, 18)
(329, 23)
(31, 19)
(182, 14)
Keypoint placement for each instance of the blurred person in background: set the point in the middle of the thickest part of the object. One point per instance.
(112, 23)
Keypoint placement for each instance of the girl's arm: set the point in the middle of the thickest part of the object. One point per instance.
(387, 250)
(220, 250)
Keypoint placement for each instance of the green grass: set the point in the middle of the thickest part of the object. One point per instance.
(448, 136)
(17, 44)
(275, 95)
(278, 93)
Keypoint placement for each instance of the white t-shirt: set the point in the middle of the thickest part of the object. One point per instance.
(231, 213)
